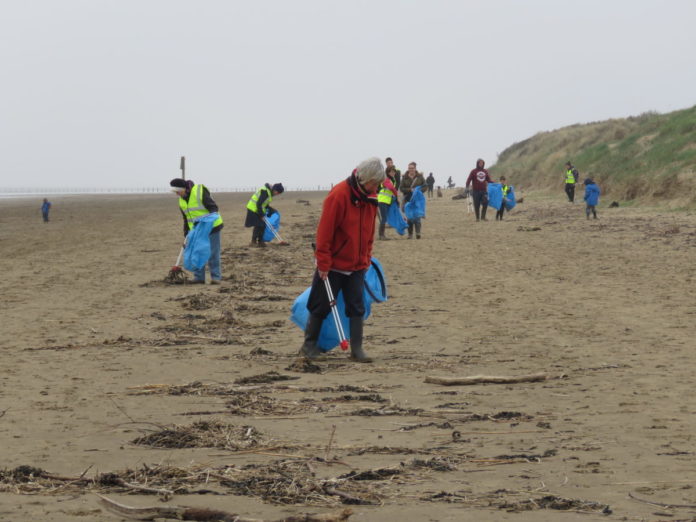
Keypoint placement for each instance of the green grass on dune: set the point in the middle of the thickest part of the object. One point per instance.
(650, 158)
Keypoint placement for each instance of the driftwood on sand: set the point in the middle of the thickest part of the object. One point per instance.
(203, 514)
(480, 379)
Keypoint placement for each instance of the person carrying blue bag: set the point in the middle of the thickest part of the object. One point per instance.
(344, 240)
(415, 210)
(195, 203)
(386, 196)
(505, 190)
(257, 208)
(409, 183)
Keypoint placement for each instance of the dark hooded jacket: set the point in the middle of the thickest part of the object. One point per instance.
(479, 177)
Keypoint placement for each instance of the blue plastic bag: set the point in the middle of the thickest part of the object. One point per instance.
(395, 218)
(510, 200)
(495, 195)
(415, 207)
(375, 291)
(197, 250)
(274, 220)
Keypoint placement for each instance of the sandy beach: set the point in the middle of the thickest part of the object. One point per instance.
(114, 382)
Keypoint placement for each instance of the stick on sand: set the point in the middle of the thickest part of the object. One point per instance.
(480, 379)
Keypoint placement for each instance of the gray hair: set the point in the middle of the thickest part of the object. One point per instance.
(370, 170)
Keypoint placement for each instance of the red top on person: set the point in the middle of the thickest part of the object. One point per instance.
(479, 177)
(346, 230)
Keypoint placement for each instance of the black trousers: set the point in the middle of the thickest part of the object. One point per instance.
(352, 286)
(257, 233)
(570, 191)
(480, 198)
(499, 214)
(383, 211)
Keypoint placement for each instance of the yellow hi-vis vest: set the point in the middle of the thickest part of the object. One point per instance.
(506, 189)
(194, 209)
(570, 178)
(254, 199)
(384, 195)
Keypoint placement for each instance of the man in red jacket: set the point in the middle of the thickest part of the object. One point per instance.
(344, 248)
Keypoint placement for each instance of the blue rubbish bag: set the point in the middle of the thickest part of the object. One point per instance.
(495, 195)
(510, 200)
(197, 250)
(415, 207)
(375, 291)
(395, 218)
(274, 220)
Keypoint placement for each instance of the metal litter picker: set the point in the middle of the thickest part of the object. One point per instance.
(275, 233)
(336, 317)
(177, 274)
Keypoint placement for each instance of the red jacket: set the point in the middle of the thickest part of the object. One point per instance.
(346, 229)
(479, 178)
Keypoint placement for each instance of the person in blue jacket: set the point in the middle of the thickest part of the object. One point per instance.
(45, 207)
(591, 198)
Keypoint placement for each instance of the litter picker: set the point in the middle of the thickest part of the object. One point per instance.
(275, 233)
(336, 317)
(176, 274)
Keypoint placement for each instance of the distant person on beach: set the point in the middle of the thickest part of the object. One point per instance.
(479, 180)
(410, 181)
(258, 207)
(387, 193)
(430, 181)
(571, 178)
(194, 203)
(45, 207)
(591, 198)
(506, 188)
(397, 172)
(344, 240)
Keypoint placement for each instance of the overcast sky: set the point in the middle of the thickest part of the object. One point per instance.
(99, 93)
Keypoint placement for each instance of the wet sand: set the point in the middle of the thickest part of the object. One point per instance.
(97, 352)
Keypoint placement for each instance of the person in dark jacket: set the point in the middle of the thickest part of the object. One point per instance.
(345, 236)
(479, 180)
(430, 181)
(45, 207)
(411, 180)
(195, 202)
(591, 198)
(258, 207)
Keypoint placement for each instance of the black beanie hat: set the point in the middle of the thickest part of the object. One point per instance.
(178, 183)
(278, 187)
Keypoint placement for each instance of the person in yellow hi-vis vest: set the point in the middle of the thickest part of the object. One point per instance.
(194, 203)
(387, 193)
(571, 178)
(258, 207)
